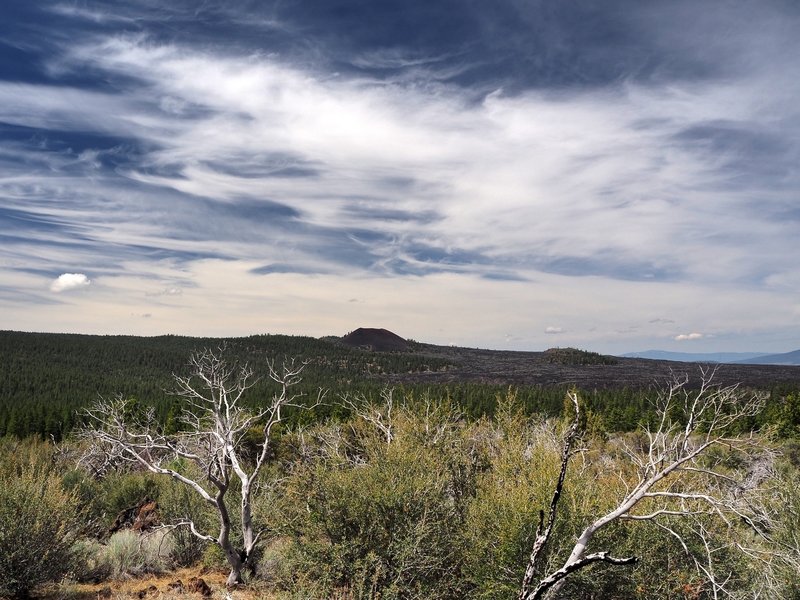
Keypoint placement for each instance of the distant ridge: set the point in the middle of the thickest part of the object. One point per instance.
(786, 358)
(378, 340)
(707, 357)
(740, 358)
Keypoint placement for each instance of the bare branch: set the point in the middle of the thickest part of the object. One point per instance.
(668, 470)
(211, 397)
(551, 580)
(379, 416)
(543, 531)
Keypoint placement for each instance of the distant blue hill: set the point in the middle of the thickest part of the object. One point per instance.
(787, 358)
(708, 357)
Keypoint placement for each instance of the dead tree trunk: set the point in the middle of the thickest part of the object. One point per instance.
(675, 447)
(215, 422)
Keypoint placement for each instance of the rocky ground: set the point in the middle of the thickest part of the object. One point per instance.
(539, 368)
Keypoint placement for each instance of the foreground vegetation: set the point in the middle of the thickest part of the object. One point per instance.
(404, 497)
(464, 490)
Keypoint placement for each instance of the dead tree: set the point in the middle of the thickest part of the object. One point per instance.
(689, 422)
(215, 423)
(379, 416)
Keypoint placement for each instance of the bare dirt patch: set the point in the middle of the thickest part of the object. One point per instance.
(181, 583)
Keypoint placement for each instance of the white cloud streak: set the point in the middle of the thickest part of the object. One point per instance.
(683, 337)
(588, 191)
(543, 173)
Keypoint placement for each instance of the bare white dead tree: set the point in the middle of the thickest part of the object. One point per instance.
(671, 480)
(378, 415)
(215, 423)
(386, 414)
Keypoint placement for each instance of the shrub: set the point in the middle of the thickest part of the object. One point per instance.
(89, 561)
(177, 502)
(104, 499)
(379, 520)
(213, 558)
(38, 520)
(121, 491)
(129, 553)
(502, 518)
(123, 554)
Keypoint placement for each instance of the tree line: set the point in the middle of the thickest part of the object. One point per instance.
(45, 379)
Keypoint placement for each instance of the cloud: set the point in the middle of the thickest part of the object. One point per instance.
(416, 164)
(689, 336)
(168, 291)
(69, 281)
(261, 135)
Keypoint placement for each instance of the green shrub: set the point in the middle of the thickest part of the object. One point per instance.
(38, 521)
(104, 499)
(380, 520)
(177, 502)
(123, 555)
(213, 558)
(501, 523)
(785, 505)
(121, 491)
(273, 565)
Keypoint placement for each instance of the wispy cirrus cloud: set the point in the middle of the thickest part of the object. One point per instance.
(262, 113)
(295, 152)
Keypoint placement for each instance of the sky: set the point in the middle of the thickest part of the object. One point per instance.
(616, 176)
